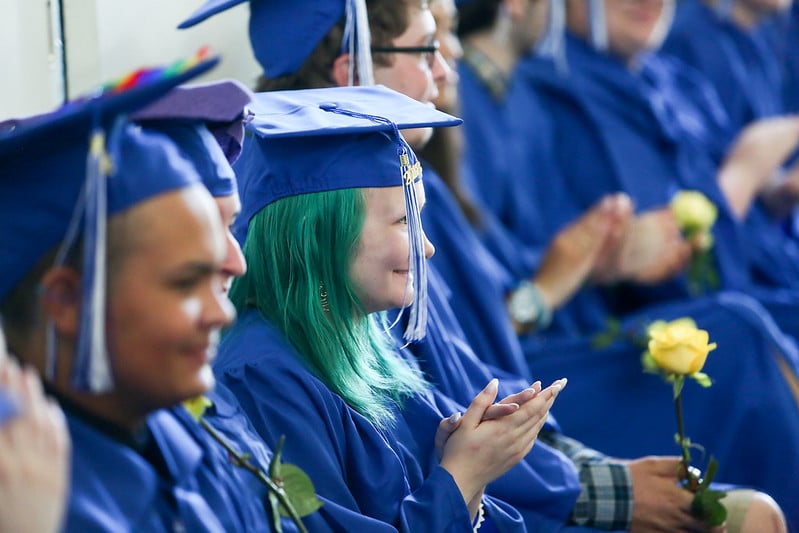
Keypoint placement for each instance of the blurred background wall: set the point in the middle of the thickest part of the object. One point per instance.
(56, 49)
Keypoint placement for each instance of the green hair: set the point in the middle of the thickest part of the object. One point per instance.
(298, 248)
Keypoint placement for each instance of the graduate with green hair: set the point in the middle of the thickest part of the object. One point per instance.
(331, 229)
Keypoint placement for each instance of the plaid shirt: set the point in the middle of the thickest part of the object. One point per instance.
(606, 498)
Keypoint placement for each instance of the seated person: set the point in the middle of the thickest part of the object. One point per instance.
(331, 175)
(121, 329)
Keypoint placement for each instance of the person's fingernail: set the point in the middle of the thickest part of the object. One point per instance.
(453, 419)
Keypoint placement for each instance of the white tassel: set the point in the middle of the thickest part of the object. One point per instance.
(357, 37)
(92, 368)
(599, 26)
(552, 44)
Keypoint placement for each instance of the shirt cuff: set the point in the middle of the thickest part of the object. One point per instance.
(606, 499)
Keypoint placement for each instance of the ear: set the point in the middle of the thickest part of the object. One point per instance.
(341, 71)
(61, 290)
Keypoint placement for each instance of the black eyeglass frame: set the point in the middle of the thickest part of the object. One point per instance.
(430, 50)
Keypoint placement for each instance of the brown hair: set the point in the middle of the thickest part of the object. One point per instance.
(20, 309)
(388, 19)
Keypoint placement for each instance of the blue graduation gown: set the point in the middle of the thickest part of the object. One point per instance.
(228, 418)
(789, 55)
(626, 420)
(615, 130)
(747, 419)
(374, 474)
(544, 487)
(740, 63)
(114, 488)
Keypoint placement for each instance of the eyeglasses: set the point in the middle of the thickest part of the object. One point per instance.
(428, 53)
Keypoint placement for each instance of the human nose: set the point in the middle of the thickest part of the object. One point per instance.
(429, 249)
(440, 68)
(234, 266)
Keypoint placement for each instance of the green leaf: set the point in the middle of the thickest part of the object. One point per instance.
(710, 472)
(679, 381)
(707, 506)
(275, 505)
(300, 491)
(702, 378)
(612, 333)
(649, 363)
(275, 464)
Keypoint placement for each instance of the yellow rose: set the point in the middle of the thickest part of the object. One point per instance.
(678, 347)
(197, 406)
(693, 211)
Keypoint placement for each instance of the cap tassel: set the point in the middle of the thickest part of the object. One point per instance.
(357, 40)
(417, 262)
(92, 370)
(724, 8)
(411, 172)
(552, 44)
(71, 236)
(599, 27)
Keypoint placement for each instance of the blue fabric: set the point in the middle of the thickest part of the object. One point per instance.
(228, 418)
(352, 145)
(544, 486)
(790, 60)
(115, 489)
(749, 345)
(282, 33)
(629, 130)
(460, 255)
(616, 135)
(739, 63)
(747, 419)
(374, 476)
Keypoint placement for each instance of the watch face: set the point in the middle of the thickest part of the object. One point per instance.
(522, 305)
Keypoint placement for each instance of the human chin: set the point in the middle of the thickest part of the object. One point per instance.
(417, 137)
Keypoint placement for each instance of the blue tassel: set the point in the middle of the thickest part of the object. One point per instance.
(552, 44)
(417, 262)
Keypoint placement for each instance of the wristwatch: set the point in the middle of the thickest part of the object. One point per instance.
(527, 308)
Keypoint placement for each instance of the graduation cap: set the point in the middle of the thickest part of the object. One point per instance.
(206, 121)
(63, 173)
(284, 33)
(318, 140)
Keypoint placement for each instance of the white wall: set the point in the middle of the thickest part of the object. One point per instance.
(105, 39)
(29, 80)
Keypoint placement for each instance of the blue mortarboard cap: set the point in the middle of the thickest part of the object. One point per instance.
(207, 123)
(284, 33)
(60, 179)
(318, 140)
